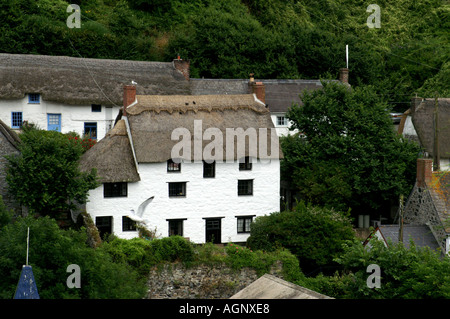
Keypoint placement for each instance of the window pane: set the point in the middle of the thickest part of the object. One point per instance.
(209, 170)
(128, 224)
(245, 187)
(16, 119)
(177, 189)
(172, 166)
(115, 189)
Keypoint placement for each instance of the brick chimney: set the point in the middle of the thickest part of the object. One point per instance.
(424, 172)
(129, 96)
(183, 66)
(343, 75)
(257, 88)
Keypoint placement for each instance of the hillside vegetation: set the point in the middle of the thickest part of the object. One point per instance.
(304, 39)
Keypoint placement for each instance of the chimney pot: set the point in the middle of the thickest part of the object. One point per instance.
(424, 172)
(259, 90)
(129, 96)
(343, 75)
(182, 66)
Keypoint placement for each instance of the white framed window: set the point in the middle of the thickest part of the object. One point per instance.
(282, 120)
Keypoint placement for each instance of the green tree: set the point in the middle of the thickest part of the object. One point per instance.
(45, 176)
(347, 154)
(313, 234)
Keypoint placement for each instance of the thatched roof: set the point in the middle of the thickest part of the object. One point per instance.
(80, 81)
(423, 119)
(154, 118)
(152, 121)
(112, 157)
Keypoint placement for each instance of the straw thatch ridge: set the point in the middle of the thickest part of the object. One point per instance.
(154, 118)
(112, 157)
(423, 119)
(9, 134)
(82, 81)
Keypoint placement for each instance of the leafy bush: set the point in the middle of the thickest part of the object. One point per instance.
(142, 254)
(51, 251)
(407, 273)
(314, 235)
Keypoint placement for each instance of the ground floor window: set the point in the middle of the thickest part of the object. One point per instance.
(243, 223)
(128, 224)
(176, 227)
(104, 225)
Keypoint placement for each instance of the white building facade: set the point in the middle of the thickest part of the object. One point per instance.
(203, 199)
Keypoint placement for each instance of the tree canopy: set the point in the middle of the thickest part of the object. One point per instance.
(45, 176)
(347, 154)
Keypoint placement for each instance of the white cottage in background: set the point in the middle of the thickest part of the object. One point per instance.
(197, 198)
(77, 94)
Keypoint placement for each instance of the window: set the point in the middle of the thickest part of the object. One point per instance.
(34, 98)
(16, 119)
(282, 121)
(175, 227)
(173, 167)
(90, 129)
(243, 223)
(177, 189)
(115, 189)
(245, 187)
(128, 224)
(96, 108)
(104, 225)
(54, 122)
(245, 164)
(209, 170)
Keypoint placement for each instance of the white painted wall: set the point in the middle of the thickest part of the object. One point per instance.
(205, 197)
(282, 130)
(73, 117)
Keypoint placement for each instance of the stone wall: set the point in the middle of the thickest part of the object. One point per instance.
(174, 281)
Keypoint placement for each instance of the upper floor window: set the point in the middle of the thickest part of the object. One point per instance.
(16, 119)
(177, 189)
(282, 121)
(90, 129)
(245, 164)
(96, 108)
(173, 167)
(115, 189)
(245, 187)
(34, 98)
(209, 170)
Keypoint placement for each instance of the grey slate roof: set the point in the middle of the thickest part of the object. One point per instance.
(420, 234)
(280, 93)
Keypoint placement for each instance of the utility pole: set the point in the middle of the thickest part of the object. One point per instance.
(436, 155)
(400, 231)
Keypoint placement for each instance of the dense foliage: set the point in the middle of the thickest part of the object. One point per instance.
(231, 38)
(314, 235)
(347, 155)
(45, 176)
(407, 273)
(51, 251)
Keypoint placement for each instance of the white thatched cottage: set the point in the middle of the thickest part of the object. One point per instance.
(77, 94)
(218, 188)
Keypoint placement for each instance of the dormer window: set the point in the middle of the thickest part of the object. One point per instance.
(34, 98)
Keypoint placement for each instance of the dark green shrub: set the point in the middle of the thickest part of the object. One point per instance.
(314, 235)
